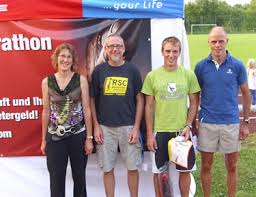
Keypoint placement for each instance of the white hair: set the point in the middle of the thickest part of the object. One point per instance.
(251, 61)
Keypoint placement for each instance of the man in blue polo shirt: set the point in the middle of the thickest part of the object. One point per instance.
(220, 76)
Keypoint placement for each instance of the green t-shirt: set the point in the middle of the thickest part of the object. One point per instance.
(170, 90)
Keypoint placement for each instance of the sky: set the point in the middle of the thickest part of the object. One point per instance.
(231, 2)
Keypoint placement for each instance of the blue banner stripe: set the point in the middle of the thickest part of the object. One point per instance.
(133, 8)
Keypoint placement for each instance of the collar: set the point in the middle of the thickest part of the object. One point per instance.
(228, 58)
(116, 67)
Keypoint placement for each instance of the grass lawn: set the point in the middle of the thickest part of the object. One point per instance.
(246, 171)
(242, 46)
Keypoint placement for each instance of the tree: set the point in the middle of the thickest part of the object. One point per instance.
(251, 15)
(236, 18)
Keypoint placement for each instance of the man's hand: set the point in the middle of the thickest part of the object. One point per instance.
(151, 143)
(185, 132)
(244, 131)
(134, 136)
(98, 135)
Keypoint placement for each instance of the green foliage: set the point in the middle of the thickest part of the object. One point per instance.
(246, 172)
(242, 46)
(251, 14)
(235, 18)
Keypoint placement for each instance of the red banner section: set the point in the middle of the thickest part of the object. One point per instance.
(39, 9)
(25, 51)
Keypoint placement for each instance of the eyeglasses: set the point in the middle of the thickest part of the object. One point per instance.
(65, 56)
(118, 46)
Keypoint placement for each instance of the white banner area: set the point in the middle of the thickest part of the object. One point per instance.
(162, 28)
(28, 176)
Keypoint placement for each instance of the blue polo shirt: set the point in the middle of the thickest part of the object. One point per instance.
(219, 89)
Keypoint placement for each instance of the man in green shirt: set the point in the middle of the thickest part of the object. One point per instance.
(167, 114)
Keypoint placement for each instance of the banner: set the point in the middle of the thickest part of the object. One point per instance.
(133, 8)
(41, 9)
(25, 50)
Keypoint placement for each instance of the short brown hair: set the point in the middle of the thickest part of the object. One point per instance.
(57, 51)
(172, 39)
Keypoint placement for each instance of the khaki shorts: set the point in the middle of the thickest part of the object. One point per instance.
(222, 138)
(107, 152)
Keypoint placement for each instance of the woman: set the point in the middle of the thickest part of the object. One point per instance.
(66, 123)
(252, 78)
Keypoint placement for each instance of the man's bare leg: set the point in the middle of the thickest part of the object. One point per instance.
(184, 183)
(231, 166)
(165, 180)
(206, 166)
(133, 182)
(157, 186)
(109, 183)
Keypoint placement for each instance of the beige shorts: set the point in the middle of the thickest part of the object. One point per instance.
(107, 152)
(222, 138)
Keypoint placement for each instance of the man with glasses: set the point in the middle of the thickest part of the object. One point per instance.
(117, 108)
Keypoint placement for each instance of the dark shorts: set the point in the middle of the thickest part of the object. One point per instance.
(161, 154)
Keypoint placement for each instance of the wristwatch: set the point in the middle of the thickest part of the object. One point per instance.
(90, 137)
(247, 120)
(189, 126)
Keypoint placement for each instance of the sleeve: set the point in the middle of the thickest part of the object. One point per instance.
(147, 88)
(197, 73)
(137, 81)
(193, 85)
(94, 90)
(242, 76)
